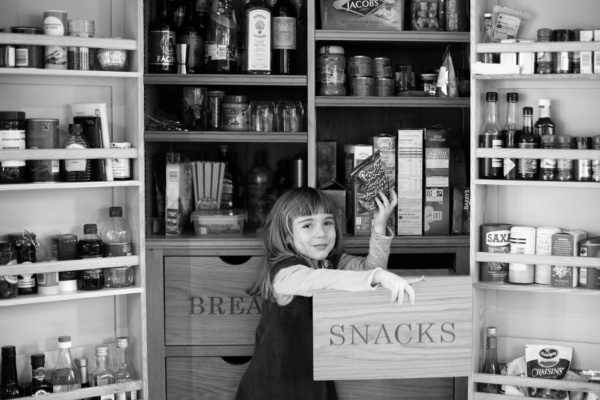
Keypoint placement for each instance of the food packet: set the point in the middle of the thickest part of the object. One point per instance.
(371, 179)
(507, 22)
(446, 82)
(548, 362)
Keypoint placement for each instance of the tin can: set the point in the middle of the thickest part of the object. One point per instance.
(215, 110)
(589, 277)
(361, 86)
(382, 68)
(359, 66)
(403, 78)
(55, 24)
(384, 87)
(28, 56)
(522, 241)
(495, 238)
(42, 133)
(121, 166)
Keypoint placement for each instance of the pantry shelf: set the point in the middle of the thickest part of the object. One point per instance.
(77, 295)
(537, 259)
(535, 288)
(65, 41)
(538, 77)
(536, 46)
(226, 80)
(92, 391)
(533, 382)
(531, 184)
(423, 102)
(67, 154)
(68, 185)
(69, 265)
(224, 137)
(71, 74)
(538, 153)
(389, 36)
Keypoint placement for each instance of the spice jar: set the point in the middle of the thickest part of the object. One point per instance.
(548, 165)
(575, 56)
(332, 67)
(429, 83)
(24, 245)
(596, 163)
(235, 113)
(28, 56)
(582, 168)
(564, 165)
(8, 283)
(544, 58)
(560, 59)
(12, 137)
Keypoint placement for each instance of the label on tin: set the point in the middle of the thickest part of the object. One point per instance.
(53, 25)
(12, 140)
(117, 249)
(55, 57)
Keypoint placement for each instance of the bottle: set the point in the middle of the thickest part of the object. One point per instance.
(227, 194)
(258, 33)
(124, 371)
(544, 125)
(528, 167)
(82, 366)
(161, 43)
(543, 58)
(76, 170)
(491, 137)
(179, 12)
(258, 182)
(90, 246)
(511, 134)
(285, 19)
(221, 38)
(189, 33)
(116, 235)
(488, 30)
(9, 383)
(65, 376)
(102, 376)
(39, 383)
(490, 365)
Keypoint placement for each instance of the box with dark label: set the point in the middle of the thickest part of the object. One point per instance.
(338, 194)
(386, 145)
(354, 154)
(436, 213)
(326, 162)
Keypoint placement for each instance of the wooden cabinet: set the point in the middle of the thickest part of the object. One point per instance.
(535, 314)
(33, 323)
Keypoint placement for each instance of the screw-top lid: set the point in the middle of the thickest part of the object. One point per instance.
(512, 97)
(527, 110)
(216, 93)
(90, 228)
(491, 96)
(64, 342)
(545, 103)
(491, 330)
(487, 15)
(582, 142)
(102, 350)
(38, 359)
(8, 351)
(27, 30)
(565, 140)
(235, 99)
(81, 362)
(123, 342)
(75, 128)
(331, 50)
(115, 211)
(545, 33)
(548, 139)
(12, 115)
(574, 35)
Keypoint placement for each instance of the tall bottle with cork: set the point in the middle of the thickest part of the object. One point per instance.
(258, 33)
(528, 167)
(285, 20)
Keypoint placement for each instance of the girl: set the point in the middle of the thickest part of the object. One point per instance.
(303, 253)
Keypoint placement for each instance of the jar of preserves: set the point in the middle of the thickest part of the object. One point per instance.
(564, 165)
(332, 67)
(9, 284)
(235, 113)
(12, 137)
(24, 245)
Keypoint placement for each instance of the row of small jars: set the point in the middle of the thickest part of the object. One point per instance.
(581, 170)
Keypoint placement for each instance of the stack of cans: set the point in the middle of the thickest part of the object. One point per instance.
(371, 77)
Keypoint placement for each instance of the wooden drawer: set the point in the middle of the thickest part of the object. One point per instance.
(214, 378)
(206, 302)
(393, 389)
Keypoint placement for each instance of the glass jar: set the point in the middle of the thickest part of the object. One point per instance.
(289, 116)
(24, 246)
(235, 113)
(429, 81)
(261, 115)
(544, 58)
(12, 137)
(332, 67)
(548, 165)
(564, 165)
(560, 59)
(9, 284)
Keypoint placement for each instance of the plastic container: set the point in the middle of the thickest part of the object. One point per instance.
(219, 222)
(235, 113)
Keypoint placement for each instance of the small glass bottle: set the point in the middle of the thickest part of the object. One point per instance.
(90, 246)
(528, 167)
(76, 170)
(491, 137)
(548, 171)
(82, 366)
(511, 135)
(490, 365)
(65, 376)
(102, 376)
(39, 383)
(582, 167)
(124, 371)
(545, 133)
(9, 382)
(221, 42)
(116, 239)
(564, 165)
(258, 182)
(544, 125)
(544, 58)
(488, 31)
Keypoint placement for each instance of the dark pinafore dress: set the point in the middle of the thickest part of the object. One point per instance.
(282, 364)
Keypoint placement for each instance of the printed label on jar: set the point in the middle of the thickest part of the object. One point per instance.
(26, 282)
(117, 249)
(12, 140)
(75, 165)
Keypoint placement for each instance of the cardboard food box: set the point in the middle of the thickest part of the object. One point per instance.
(179, 201)
(386, 145)
(354, 154)
(410, 182)
(337, 192)
(326, 162)
(436, 211)
(566, 243)
(359, 15)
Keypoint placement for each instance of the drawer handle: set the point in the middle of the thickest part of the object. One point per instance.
(235, 260)
(237, 360)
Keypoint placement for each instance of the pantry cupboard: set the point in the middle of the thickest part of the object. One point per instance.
(535, 314)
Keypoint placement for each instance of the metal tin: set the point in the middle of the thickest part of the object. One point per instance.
(28, 56)
(382, 68)
(55, 24)
(7, 56)
(495, 238)
(359, 66)
(215, 110)
(384, 87)
(589, 277)
(121, 166)
(361, 86)
(42, 133)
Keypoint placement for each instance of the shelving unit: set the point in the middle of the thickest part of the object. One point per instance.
(534, 314)
(33, 323)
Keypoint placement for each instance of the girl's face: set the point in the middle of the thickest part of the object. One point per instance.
(314, 235)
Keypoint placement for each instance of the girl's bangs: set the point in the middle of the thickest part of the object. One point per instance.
(317, 204)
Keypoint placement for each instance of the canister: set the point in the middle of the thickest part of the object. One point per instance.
(361, 86)
(522, 241)
(28, 56)
(495, 238)
(55, 24)
(429, 83)
(384, 87)
(64, 247)
(12, 137)
(235, 113)
(42, 133)
(382, 67)
(543, 247)
(332, 67)
(360, 66)
(215, 110)
(589, 277)
(121, 166)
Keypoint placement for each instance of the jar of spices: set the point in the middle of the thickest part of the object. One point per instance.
(24, 245)
(582, 168)
(12, 137)
(235, 113)
(544, 58)
(332, 67)
(596, 162)
(575, 56)
(548, 165)
(215, 110)
(561, 60)
(8, 283)
(564, 165)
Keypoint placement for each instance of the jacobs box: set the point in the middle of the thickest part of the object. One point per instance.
(359, 15)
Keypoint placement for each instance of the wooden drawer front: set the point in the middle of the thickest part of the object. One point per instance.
(393, 389)
(203, 378)
(206, 302)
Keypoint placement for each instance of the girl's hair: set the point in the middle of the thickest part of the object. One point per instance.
(278, 236)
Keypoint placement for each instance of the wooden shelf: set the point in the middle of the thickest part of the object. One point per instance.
(65, 41)
(392, 36)
(372, 101)
(226, 136)
(539, 77)
(536, 46)
(69, 265)
(66, 73)
(537, 259)
(532, 382)
(68, 185)
(552, 184)
(538, 153)
(535, 288)
(77, 295)
(67, 154)
(92, 391)
(226, 80)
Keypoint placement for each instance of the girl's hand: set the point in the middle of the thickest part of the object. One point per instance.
(385, 207)
(397, 285)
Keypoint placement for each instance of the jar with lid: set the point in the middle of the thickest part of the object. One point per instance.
(215, 110)
(582, 167)
(429, 81)
(332, 67)
(548, 165)
(235, 113)
(24, 245)
(564, 165)
(575, 56)
(544, 58)
(9, 284)
(12, 137)
(90, 246)
(561, 59)
(596, 163)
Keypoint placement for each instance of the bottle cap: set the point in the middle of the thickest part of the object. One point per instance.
(12, 115)
(544, 33)
(235, 99)
(123, 342)
(512, 97)
(491, 96)
(115, 211)
(331, 50)
(102, 350)
(582, 142)
(81, 362)
(75, 128)
(565, 141)
(38, 359)
(527, 110)
(90, 228)
(491, 330)
(487, 15)
(8, 351)
(545, 103)
(64, 342)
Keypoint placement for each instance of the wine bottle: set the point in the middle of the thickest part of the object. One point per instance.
(161, 46)
(285, 19)
(189, 33)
